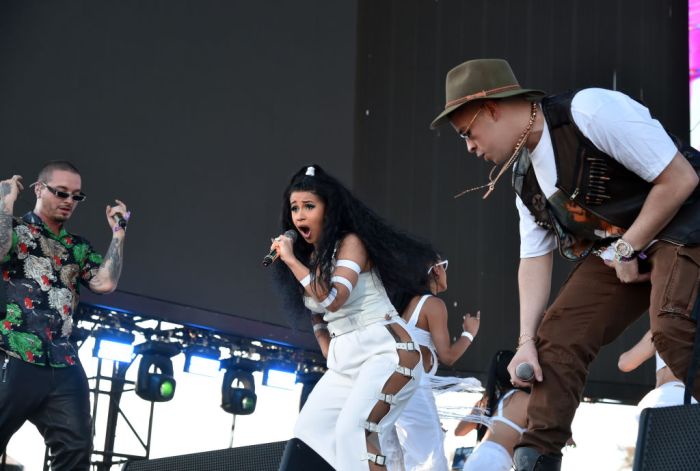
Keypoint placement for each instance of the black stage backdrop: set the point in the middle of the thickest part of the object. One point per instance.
(196, 113)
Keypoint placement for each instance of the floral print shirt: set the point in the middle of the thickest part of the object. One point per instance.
(39, 291)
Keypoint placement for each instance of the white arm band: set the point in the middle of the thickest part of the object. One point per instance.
(349, 264)
(330, 298)
(320, 326)
(468, 335)
(343, 281)
(306, 281)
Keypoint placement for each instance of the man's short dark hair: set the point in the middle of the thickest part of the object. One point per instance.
(49, 167)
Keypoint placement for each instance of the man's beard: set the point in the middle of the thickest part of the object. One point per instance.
(58, 217)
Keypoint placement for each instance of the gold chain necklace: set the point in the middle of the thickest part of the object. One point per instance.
(516, 151)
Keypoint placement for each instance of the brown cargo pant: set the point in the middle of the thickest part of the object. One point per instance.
(591, 310)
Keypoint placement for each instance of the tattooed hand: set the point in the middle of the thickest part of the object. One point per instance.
(111, 211)
(9, 190)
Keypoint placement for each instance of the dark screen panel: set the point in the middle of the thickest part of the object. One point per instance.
(195, 113)
(410, 173)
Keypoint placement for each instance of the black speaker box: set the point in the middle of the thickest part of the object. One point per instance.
(264, 457)
(668, 439)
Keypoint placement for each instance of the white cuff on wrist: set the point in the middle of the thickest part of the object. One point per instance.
(320, 326)
(468, 335)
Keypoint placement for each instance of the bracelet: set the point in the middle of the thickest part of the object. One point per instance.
(524, 338)
(320, 326)
(306, 281)
(468, 335)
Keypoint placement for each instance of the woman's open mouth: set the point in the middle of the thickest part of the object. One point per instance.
(304, 231)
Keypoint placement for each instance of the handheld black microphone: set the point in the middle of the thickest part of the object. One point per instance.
(525, 372)
(121, 221)
(272, 256)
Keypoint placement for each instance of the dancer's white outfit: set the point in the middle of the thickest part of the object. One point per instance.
(489, 455)
(418, 427)
(361, 357)
(668, 394)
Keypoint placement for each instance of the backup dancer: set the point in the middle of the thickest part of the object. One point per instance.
(341, 269)
(668, 391)
(418, 427)
(506, 416)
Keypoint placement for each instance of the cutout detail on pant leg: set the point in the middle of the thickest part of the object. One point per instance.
(388, 398)
(409, 346)
(370, 426)
(379, 460)
(404, 371)
(409, 358)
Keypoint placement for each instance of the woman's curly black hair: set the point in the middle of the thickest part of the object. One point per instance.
(497, 384)
(399, 258)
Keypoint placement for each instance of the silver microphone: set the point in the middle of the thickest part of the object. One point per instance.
(525, 372)
(273, 255)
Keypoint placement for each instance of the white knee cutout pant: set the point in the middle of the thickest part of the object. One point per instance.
(333, 419)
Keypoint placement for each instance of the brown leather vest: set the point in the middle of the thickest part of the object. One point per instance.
(597, 185)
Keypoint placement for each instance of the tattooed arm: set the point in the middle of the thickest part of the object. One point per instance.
(107, 277)
(9, 189)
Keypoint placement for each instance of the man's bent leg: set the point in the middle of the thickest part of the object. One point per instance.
(64, 420)
(675, 276)
(592, 309)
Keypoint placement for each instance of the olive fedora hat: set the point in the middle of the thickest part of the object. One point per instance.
(480, 79)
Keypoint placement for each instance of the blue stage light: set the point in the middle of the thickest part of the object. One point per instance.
(202, 360)
(114, 345)
(279, 374)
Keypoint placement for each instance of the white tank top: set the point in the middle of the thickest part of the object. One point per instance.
(421, 336)
(498, 417)
(368, 303)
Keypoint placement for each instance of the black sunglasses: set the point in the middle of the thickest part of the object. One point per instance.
(65, 195)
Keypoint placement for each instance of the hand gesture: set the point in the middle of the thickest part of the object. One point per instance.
(112, 221)
(471, 324)
(9, 190)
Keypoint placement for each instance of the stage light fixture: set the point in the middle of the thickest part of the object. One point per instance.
(112, 344)
(279, 374)
(202, 360)
(238, 388)
(157, 385)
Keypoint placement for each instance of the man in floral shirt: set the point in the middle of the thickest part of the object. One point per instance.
(42, 264)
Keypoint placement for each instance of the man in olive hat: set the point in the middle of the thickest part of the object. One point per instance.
(596, 176)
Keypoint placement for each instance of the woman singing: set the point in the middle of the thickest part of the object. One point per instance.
(341, 268)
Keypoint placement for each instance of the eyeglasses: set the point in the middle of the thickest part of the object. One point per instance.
(442, 264)
(467, 133)
(64, 195)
